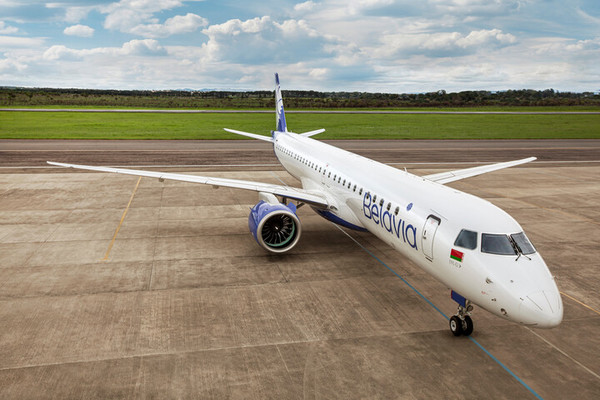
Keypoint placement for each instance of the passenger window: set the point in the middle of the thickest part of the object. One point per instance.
(389, 206)
(397, 210)
(374, 198)
(360, 192)
(381, 203)
(466, 239)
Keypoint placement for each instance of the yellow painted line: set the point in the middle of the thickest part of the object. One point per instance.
(564, 353)
(583, 304)
(112, 242)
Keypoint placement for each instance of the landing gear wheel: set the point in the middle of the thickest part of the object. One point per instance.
(456, 325)
(467, 326)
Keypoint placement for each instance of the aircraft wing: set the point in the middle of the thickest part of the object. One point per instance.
(451, 176)
(310, 197)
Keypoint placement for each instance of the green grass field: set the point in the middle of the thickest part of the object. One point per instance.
(65, 125)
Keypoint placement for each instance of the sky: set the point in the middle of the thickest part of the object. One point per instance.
(394, 46)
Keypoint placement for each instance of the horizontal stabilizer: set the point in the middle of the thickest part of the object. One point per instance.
(311, 133)
(252, 135)
(456, 175)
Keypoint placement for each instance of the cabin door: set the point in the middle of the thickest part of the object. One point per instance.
(429, 230)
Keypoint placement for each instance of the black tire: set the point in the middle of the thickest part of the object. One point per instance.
(467, 326)
(456, 326)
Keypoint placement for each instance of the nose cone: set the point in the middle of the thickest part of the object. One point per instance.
(542, 309)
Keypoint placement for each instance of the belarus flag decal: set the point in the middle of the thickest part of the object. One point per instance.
(456, 255)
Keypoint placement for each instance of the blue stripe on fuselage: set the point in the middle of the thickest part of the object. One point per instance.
(328, 215)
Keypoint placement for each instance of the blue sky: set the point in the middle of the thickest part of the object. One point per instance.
(343, 45)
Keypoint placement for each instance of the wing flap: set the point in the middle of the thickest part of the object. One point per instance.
(451, 176)
(310, 197)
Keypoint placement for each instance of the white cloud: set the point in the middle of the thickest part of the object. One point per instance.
(20, 42)
(484, 37)
(138, 17)
(128, 14)
(372, 45)
(6, 29)
(145, 47)
(304, 7)
(260, 40)
(587, 17)
(8, 65)
(476, 7)
(58, 52)
(172, 26)
(77, 13)
(442, 44)
(79, 30)
(355, 7)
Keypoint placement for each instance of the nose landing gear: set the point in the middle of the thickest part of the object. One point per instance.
(461, 323)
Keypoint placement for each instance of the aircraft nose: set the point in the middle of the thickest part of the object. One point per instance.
(542, 309)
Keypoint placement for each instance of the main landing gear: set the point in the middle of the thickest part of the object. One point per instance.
(461, 323)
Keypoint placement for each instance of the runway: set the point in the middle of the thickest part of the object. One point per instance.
(118, 287)
(20, 153)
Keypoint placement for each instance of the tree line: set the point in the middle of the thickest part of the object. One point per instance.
(11, 96)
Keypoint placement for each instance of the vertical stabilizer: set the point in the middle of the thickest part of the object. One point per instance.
(281, 124)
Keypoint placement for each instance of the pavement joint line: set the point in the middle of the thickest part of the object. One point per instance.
(278, 178)
(444, 315)
(112, 242)
(564, 353)
(557, 210)
(194, 351)
(580, 302)
(156, 236)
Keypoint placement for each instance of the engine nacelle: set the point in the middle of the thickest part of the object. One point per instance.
(274, 226)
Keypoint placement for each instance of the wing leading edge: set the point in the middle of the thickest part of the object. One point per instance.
(313, 198)
(456, 175)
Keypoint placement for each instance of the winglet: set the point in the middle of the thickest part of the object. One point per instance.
(281, 124)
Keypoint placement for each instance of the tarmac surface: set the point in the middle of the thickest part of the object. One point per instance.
(122, 287)
(253, 152)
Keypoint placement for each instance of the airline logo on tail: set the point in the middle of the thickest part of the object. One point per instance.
(281, 125)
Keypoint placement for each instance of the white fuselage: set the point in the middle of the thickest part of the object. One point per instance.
(421, 219)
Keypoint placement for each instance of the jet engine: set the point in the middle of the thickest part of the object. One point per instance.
(274, 225)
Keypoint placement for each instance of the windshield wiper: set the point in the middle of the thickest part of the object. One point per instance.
(517, 249)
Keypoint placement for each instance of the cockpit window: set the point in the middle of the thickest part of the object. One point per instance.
(508, 245)
(466, 239)
(524, 244)
(497, 244)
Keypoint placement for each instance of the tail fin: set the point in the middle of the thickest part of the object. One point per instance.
(281, 124)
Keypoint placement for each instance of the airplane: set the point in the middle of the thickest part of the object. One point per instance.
(473, 247)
